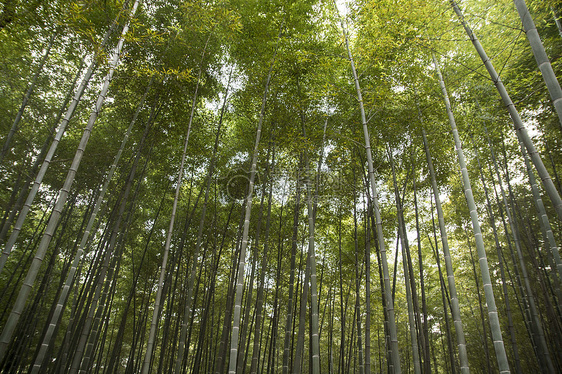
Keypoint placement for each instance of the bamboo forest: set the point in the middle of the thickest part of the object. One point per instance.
(280, 186)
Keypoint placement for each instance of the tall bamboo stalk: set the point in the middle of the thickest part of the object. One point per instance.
(28, 94)
(536, 325)
(520, 129)
(61, 200)
(511, 328)
(242, 262)
(107, 255)
(60, 132)
(543, 219)
(395, 365)
(425, 329)
(367, 296)
(540, 56)
(290, 308)
(409, 298)
(311, 208)
(9, 219)
(499, 347)
(463, 357)
(484, 335)
(156, 311)
(557, 20)
(78, 256)
(446, 302)
(254, 366)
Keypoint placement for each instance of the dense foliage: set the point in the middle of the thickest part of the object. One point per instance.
(185, 187)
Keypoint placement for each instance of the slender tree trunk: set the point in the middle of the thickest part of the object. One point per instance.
(200, 232)
(482, 318)
(26, 257)
(188, 305)
(226, 331)
(314, 329)
(276, 308)
(121, 331)
(156, 312)
(28, 94)
(71, 274)
(113, 275)
(395, 365)
(29, 319)
(260, 294)
(299, 350)
(66, 267)
(104, 305)
(425, 329)
(244, 343)
(502, 271)
(331, 336)
(499, 347)
(409, 301)
(557, 20)
(7, 223)
(542, 59)
(11, 205)
(63, 194)
(290, 308)
(367, 296)
(445, 301)
(107, 269)
(358, 271)
(69, 113)
(341, 362)
(387, 343)
(544, 221)
(520, 129)
(463, 357)
(242, 263)
(545, 359)
(549, 317)
(311, 207)
(523, 302)
(82, 298)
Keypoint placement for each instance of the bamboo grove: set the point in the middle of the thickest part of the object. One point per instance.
(299, 186)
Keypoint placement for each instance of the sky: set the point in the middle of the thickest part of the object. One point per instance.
(342, 6)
